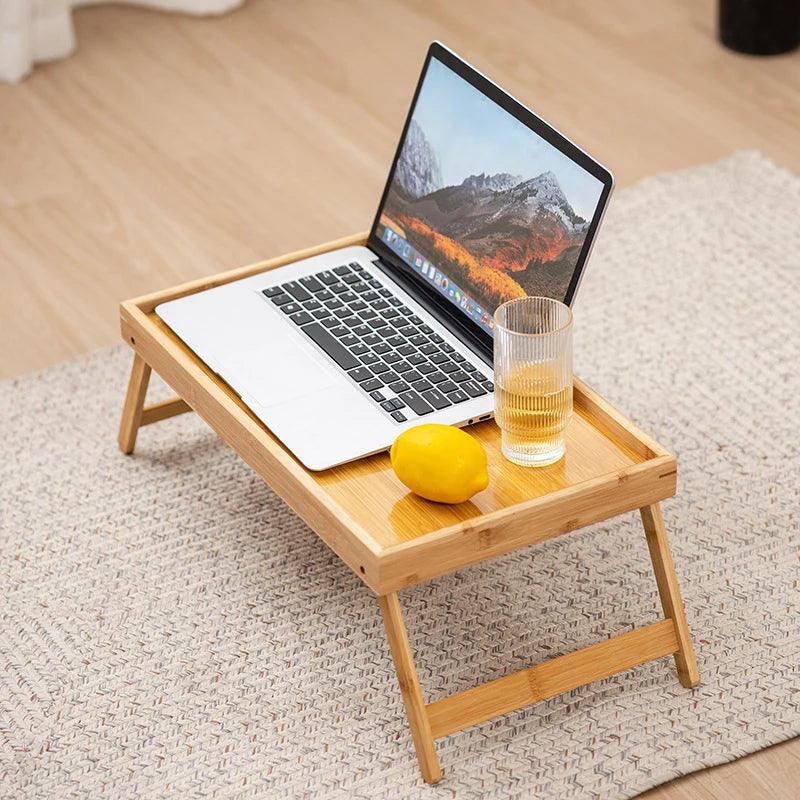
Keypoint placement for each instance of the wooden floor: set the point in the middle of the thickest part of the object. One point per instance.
(168, 148)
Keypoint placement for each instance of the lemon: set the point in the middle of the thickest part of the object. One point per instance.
(440, 462)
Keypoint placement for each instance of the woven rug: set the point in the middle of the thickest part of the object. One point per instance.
(169, 629)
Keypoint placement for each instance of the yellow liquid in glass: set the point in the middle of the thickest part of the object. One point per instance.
(533, 407)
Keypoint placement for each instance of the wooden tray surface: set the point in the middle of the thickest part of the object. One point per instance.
(389, 537)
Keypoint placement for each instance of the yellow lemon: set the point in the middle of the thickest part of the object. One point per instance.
(440, 462)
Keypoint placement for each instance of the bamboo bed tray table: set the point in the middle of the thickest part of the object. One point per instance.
(392, 540)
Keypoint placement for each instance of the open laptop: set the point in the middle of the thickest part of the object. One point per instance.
(339, 353)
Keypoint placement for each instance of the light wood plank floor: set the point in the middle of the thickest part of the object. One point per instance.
(168, 148)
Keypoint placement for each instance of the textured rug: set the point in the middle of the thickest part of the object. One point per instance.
(168, 629)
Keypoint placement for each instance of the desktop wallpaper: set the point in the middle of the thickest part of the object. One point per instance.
(480, 202)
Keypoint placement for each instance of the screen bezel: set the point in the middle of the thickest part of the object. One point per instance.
(435, 302)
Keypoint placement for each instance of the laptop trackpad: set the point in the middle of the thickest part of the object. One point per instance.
(277, 373)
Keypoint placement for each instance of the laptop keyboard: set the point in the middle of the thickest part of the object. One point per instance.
(401, 363)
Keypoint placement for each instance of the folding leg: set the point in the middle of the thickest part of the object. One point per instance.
(669, 590)
(409, 686)
(134, 412)
(134, 405)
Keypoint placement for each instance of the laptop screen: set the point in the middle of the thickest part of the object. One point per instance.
(481, 206)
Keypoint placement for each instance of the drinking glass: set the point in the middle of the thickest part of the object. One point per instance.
(533, 378)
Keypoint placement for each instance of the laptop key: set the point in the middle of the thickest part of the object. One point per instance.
(376, 395)
(396, 340)
(379, 304)
(330, 322)
(488, 385)
(401, 322)
(392, 358)
(458, 357)
(429, 349)
(312, 284)
(394, 301)
(421, 386)
(372, 385)
(472, 389)
(327, 278)
(416, 320)
(459, 377)
(382, 292)
(426, 329)
(469, 367)
(354, 265)
(449, 367)
(458, 396)
(368, 358)
(301, 318)
(312, 305)
(389, 377)
(358, 305)
(412, 376)
(349, 340)
(343, 270)
(338, 288)
(405, 311)
(387, 405)
(390, 313)
(372, 339)
(419, 340)
(427, 368)
(351, 278)
(324, 295)
(436, 377)
(406, 349)
(380, 368)
(399, 416)
(447, 348)
(272, 291)
(377, 323)
(290, 308)
(398, 403)
(342, 312)
(381, 348)
(359, 287)
(415, 403)
(321, 337)
(339, 331)
(280, 299)
(370, 295)
(334, 305)
(416, 359)
(347, 297)
(322, 313)
(359, 350)
(368, 314)
(360, 374)
(447, 387)
(441, 358)
(296, 291)
(436, 399)
(362, 330)
(434, 337)
(399, 386)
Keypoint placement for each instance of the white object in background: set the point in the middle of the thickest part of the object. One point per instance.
(41, 30)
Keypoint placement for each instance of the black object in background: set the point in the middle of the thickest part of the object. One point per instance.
(760, 27)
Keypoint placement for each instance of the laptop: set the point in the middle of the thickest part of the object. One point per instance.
(340, 353)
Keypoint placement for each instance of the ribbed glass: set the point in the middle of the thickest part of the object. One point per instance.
(533, 378)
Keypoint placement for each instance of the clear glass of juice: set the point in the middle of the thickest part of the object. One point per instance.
(533, 378)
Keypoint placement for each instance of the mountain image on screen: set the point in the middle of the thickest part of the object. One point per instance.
(499, 236)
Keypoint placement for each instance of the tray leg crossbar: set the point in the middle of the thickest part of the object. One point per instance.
(669, 636)
(135, 413)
